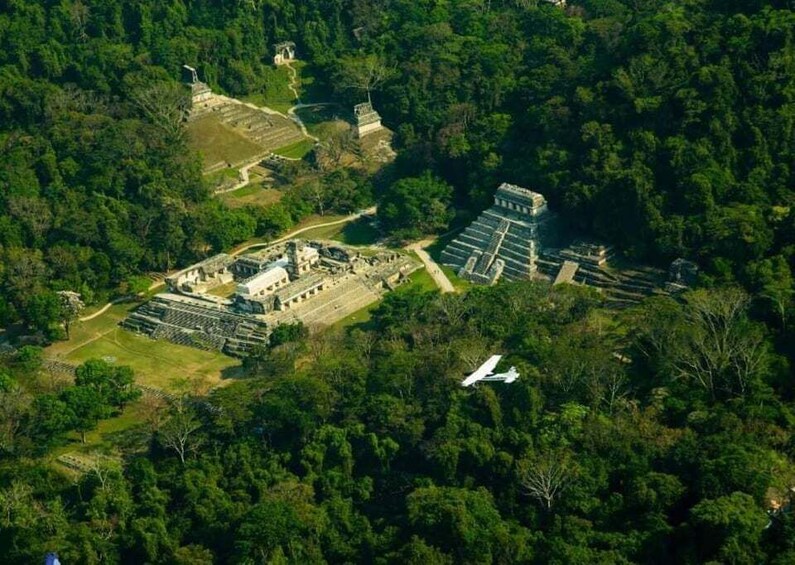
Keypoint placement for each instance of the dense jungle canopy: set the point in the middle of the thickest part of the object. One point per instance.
(661, 434)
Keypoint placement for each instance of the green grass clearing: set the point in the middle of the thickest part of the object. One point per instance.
(219, 176)
(251, 195)
(156, 363)
(358, 318)
(323, 121)
(297, 150)
(127, 431)
(435, 251)
(223, 290)
(217, 142)
(460, 284)
(309, 88)
(277, 94)
(358, 232)
(83, 333)
(421, 279)
(221, 180)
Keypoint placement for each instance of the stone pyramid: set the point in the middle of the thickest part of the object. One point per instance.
(505, 239)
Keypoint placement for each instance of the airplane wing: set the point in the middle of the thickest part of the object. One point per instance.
(483, 371)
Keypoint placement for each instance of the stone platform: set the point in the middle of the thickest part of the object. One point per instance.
(316, 283)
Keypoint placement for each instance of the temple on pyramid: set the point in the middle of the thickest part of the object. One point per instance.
(504, 241)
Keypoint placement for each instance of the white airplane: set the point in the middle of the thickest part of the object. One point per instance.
(486, 373)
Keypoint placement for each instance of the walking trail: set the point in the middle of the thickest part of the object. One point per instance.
(291, 114)
(433, 268)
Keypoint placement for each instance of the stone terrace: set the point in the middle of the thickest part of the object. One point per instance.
(267, 129)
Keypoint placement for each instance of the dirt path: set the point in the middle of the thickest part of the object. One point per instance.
(433, 268)
(293, 86)
(157, 283)
(292, 234)
(291, 114)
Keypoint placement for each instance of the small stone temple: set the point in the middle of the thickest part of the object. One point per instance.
(504, 241)
(284, 53)
(231, 304)
(367, 119)
(682, 275)
(200, 92)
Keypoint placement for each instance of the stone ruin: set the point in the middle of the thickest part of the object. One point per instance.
(284, 53)
(518, 238)
(682, 274)
(503, 242)
(367, 119)
(230, 304)
(200, 92)
(267, 129)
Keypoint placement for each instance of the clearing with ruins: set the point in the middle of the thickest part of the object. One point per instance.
(231, 304)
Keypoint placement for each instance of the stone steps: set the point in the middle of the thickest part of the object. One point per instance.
(196, 326)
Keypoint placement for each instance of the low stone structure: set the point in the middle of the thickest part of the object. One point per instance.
(682, 275)
(314, 282)
(367, 119)
(587, 252)
(503, 242)
(284, 53)
(204, 275)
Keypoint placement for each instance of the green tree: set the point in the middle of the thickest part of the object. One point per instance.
(730, 528)
(114, 384)
(416, 206)
(85, 407)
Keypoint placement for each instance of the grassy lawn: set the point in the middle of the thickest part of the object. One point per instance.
(156, 363)
(277, 95)
(420, 278)
(326, 232)
(358, 318)
(460, 284)
(309, 88)
(223, 290)
(435, 251)
(126, 431)
(218, 142)
(262, 100)
(83, 333)
(251, 195)
(297, 150)
(358, 232)
(218, 177)
(323, 121)
(223, 179)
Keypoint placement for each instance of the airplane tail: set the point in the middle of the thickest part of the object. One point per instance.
(512, 375)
